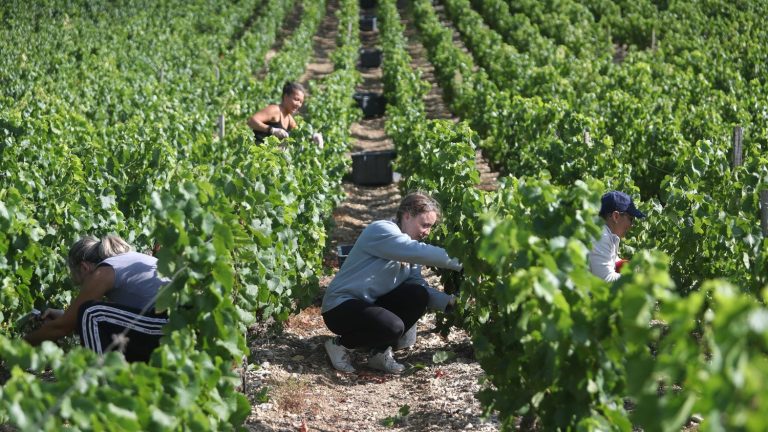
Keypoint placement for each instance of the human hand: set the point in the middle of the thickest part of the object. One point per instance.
(620, 264)
(51, 314)
(451, 304)
(279, 132)
(317, 137)
(455, 264)
(28, 322)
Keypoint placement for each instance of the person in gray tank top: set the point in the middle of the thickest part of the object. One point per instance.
(108, 269)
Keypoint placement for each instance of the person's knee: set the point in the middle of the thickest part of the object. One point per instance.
(393, 330)
(83, 315)
(83, 309)
(86, 305)
(422, 296)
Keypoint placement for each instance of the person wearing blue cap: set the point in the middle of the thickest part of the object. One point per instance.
(619, 212)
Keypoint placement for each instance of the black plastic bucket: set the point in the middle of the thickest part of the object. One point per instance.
(367, 23)
(342, 252)
(372, 104)
(370, 58)
(372, 168)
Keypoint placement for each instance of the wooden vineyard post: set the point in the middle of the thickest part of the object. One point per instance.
(653, 39)
(216, 72)
(738, 153)
(764, 211)
(244, 375)
(587, 138)
(221, 126)
(244, 370)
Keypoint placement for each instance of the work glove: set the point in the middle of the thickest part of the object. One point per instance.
(317, 137)
(279, 132)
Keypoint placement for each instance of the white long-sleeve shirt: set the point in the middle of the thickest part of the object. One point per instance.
(603, 256)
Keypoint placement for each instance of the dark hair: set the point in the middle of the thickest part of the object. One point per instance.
(292, 87)
(91, 249)
(416, 203)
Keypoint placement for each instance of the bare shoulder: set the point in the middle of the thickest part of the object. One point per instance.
(273, 110)
(269, 113)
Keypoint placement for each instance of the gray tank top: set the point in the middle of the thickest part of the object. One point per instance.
(136, 279)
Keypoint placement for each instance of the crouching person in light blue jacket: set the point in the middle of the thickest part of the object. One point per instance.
(379, 294)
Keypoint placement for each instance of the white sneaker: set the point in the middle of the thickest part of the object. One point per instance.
(407, 339)
(385, 362)
(339, 356)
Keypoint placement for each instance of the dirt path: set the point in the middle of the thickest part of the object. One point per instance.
(369, 133)
(303, 392)
(324, 42)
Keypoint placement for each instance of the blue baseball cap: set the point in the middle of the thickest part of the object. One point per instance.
(618, 201)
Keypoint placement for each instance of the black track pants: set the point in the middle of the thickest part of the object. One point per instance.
(98, 322)
(378, 325)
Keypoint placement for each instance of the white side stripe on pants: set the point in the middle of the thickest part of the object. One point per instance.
(95, 315)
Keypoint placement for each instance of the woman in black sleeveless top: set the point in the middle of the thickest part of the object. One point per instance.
(277, 119)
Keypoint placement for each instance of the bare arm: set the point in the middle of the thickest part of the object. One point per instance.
(95, 286)
(258, 121)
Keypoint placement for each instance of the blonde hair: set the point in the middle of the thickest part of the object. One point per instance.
(91, 249)
(416, 203)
